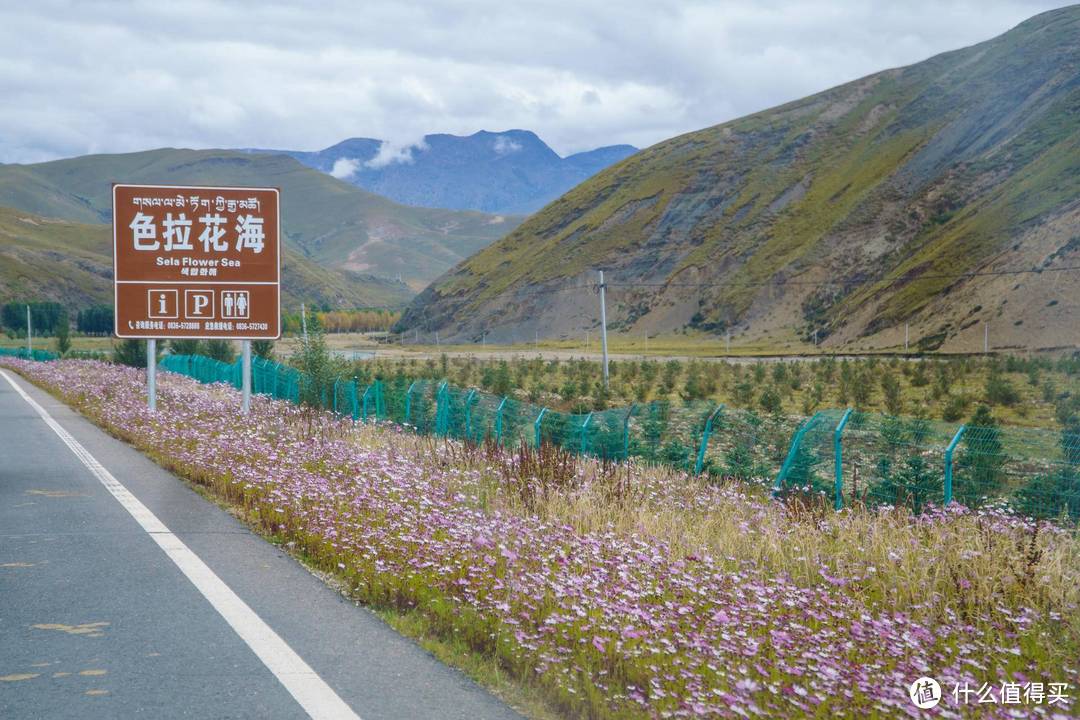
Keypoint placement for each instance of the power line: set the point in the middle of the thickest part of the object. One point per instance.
(780, 283)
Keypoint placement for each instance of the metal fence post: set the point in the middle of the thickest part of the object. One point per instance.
(585, 433)
(705, 439)
(626, 431)
(355, 400)
(408, 402)
(499, 422)
(468, 413)
(837, 456)
(793, 452)
(949, 462)
(536, 425)
(442, 410)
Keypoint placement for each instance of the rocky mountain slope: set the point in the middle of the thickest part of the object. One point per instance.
(848, 214)
(512, 172)
(68, 262)
(330, 222)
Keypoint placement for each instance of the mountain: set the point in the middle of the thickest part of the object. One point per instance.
(328, 221)
(512, 172)
(48, 259)
(849, 213)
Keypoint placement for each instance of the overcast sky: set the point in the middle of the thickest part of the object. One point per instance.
(83, 77)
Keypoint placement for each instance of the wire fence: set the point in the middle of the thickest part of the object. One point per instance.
(841, 454)
(40, 355)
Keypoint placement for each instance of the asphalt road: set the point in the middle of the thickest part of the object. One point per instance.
(97, 619)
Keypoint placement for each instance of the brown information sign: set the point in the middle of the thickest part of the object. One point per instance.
(196, 262)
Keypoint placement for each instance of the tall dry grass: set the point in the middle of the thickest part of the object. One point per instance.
(944, 565)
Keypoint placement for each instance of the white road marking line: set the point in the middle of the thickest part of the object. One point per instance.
(316, 697)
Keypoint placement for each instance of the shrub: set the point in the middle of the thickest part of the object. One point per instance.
(979, 468)
(919, 378)
(890, 385)
(770, 401)
(954, 409)
(263, 349)
(221, 350)
(63, 335)
(861, 390)
(185, 347)
(999, 391)
(131, 352)
(314, 360)
(744, 393)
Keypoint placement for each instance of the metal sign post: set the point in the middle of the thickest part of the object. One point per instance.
(151, 374)
(245, 354)
(29, 332)
(196, 262)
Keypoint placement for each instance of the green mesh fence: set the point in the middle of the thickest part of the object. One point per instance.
(39, 355)
(1036, 473)
(746, 445)
(894, 460)
(844, 456)
(810, 461)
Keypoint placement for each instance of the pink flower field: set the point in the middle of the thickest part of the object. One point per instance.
(628, 593)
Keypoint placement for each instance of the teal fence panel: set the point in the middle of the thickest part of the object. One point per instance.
(846, 455)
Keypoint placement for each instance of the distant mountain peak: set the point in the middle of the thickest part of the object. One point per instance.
(506, 172)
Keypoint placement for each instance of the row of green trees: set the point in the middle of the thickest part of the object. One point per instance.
(45, 317)
(95, 320)
(50, 318)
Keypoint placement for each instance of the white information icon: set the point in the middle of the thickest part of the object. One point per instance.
(925, 693)
(235, 304)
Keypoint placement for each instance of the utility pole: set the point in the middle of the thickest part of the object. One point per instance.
(728, 340)
(29, 332)
(303, 320)
(437, 344)
(603, 329)
(815, 337)
(586, 341)
(986, 338)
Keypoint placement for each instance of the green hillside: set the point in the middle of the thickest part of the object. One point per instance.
(331, 222)
(836, 214)
(48, 259)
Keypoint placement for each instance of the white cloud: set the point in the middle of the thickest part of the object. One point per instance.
(505, 145)
(116, 76)
(391, 152)
(345, 168)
